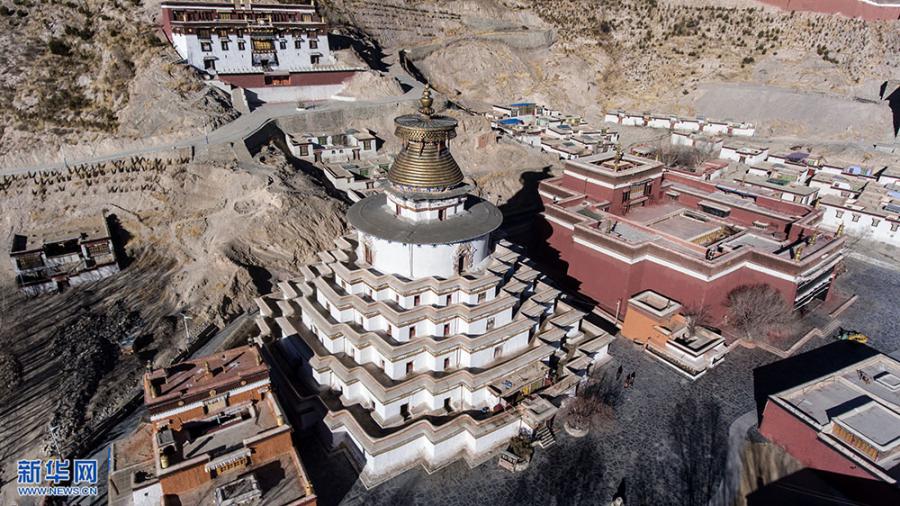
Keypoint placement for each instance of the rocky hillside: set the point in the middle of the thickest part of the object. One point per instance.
(656, 43)
(77, 71)
(679, 56)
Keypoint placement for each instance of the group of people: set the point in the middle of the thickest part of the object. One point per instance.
(629, 378)
(863, 376)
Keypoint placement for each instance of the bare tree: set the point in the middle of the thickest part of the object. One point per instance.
(753, 310)
(696, 315)
(597, 397)
(681, 156)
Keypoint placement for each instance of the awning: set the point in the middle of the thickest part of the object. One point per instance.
(516, 380)
(713, 205)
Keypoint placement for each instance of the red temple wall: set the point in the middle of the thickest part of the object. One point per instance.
(802, 442)
(167, 24)
(775, 204)
(296, 79)
(608, 280)
(740, 216)
(850, 8)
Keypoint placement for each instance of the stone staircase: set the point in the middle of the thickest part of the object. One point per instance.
(545, 437)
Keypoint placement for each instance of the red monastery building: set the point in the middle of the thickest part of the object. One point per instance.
(846, 422)
(216, 434)
(619, 225)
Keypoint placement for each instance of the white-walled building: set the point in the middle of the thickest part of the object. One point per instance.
(332, 148)
(873, 215)
(564, 135)
(743, 154)
(785, 172)
(707, 144)
(686, 124)
(360, 178)
(838, 185)
(889, 176)
(278, 51)
(425, 338)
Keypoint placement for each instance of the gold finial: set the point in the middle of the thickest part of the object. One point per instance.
(426, 102)
(798, 253)
(618, 158)
(840, 230)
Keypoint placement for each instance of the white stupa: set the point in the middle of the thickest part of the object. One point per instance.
(424, 341)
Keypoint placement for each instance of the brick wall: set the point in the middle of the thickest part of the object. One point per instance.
(620, 281)
(185, 479)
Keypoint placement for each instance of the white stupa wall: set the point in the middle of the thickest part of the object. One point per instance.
(461, 398)
(428, 297)
(415, 261)
(425, 210)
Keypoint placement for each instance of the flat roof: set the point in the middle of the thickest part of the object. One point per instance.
(865, 381)
(685, 227)
(205, 373)
(655, 302)
(874, 422)
(783, 185)
(86, 228)
(602, 163)
(200, 437)
(816, 400)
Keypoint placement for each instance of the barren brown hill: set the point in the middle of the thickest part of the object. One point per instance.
(79, 71)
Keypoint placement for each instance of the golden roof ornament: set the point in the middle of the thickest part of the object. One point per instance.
(617, 159)
(426, 101)
(425, 164)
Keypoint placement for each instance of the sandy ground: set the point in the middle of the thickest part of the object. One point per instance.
(197, 236)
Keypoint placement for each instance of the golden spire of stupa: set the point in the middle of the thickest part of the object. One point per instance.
(426, 101)
(425, 163)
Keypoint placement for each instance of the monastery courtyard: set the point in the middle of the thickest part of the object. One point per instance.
(639, 433)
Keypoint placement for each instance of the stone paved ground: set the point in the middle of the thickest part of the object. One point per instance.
(639, 433)
(877, 311)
